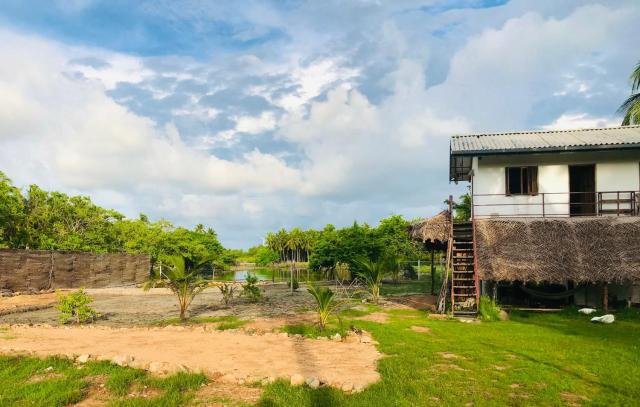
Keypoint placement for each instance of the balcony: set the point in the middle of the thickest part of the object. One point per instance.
(556, 204)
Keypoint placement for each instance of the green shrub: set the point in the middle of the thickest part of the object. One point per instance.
(227, 290)
(293, 283)
(488, 309)
(75, 307)
(250, 288)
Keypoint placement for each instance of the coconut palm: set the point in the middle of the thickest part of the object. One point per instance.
(182, 278)
(325, 303)
(372, 272)
(631, 106)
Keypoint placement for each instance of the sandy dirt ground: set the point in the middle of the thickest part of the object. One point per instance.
(416, 301)
(128, 307)
(235, 355)
(23, 303)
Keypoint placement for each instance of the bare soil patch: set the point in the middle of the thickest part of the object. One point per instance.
(421, 329)
(573, 399)
(215, 353)
(131, 306)
(263, 325)
(379, 317)
(25, 303)
(216, 393)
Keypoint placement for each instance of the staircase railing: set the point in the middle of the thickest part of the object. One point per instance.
(442, 296)
(476, 281)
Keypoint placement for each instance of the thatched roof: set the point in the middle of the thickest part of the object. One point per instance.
(582, 250)
(431, 230)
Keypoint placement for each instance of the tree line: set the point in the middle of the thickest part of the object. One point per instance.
(325, 248)
(42, 220)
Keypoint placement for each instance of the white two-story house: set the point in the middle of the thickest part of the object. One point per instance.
(554, 213)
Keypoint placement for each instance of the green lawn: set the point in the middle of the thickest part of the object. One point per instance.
(533, 359)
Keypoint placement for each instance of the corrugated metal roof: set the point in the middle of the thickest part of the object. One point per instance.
(554, 140)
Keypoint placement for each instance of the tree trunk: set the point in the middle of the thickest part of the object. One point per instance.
(433, 274)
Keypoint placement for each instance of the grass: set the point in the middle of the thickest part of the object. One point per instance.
(223, 322)
(58, 382)
(533, 359)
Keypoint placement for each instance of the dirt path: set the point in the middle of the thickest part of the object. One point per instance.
(235, 355)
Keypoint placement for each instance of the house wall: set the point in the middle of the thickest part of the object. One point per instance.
(615, 171)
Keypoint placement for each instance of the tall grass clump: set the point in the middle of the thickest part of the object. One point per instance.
(488, 309)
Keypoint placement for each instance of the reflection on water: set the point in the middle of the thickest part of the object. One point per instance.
(272, 274)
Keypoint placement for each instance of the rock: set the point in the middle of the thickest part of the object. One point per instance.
(347, 387)
(228, 378)
(268, 380)
(122, 360)
(587, 311)
(49, 369)
(336, 337)
(297, 380)
(313, 382)
(136, 364)
(158, 367)
(358, 388)
(84, 358)
(503, 315)
(365, 339)
(605, 319)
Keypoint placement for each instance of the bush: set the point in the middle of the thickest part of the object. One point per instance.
(227, 290)
(250, 288)
(75, 307)
(488, 309)
(293, 283)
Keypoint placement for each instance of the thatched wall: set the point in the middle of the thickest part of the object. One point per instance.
(582, 250)
(434, 229)
(24, 270)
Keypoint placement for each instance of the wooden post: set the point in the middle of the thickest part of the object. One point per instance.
(605, 297)
(433, 273)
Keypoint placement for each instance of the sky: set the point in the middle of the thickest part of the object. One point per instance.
(249, 116)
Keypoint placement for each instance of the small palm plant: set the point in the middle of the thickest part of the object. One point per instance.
(182, 278)
(372, 272)
(325, 303)
(393, 266)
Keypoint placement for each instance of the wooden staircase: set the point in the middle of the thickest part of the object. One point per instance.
(464, 290)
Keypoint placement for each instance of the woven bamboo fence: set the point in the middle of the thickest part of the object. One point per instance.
(582, 250)
(35, 270)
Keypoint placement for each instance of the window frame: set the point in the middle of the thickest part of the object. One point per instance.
(530, 181)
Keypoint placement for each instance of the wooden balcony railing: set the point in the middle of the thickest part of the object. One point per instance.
(556, 204)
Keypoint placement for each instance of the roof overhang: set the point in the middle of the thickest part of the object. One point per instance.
(461, 162)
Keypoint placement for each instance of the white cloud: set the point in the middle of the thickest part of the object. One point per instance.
(72, 131)
(360, 132)
(580, 121)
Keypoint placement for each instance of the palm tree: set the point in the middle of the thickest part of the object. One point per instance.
(373, 272)
(325, 303)
(631, 106)
(182, 278)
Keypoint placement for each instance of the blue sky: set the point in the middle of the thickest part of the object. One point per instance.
(254, 115)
